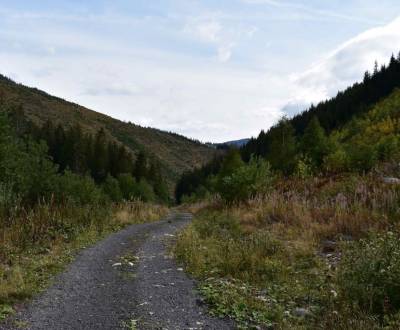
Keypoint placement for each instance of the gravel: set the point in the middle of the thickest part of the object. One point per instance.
(127, 281)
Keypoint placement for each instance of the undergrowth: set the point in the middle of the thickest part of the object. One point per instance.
(37, 243)
(320, 253)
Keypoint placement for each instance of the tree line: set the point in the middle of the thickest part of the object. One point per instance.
(334, 113)
(332, 137)
(110, 165)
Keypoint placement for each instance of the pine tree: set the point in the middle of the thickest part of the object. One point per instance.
(100, 157)
(141, 166)
(282, 146)
(314, 142)
(231, 162)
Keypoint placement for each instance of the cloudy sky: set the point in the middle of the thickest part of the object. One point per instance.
(212, 70)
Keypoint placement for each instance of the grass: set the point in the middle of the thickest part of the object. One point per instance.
(263, 262)
(38, 244)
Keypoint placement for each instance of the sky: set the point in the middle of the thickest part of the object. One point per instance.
(211, 70)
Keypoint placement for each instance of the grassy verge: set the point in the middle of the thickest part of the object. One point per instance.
(38, 244)
(314, 254)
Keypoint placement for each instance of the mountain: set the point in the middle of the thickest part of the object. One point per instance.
(237, 143)
(175, 153)
(227, 145)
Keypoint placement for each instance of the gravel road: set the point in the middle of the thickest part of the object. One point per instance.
(127, 281)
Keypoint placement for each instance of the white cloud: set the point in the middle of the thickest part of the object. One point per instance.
(225, 52)
(311, 12)
(208, 31)
(346, 64)
(224, 37)
(163, 76)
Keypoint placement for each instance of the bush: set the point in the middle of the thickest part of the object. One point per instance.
(303, 168)
(79, 189)
(25, 168)
(144, 191)
(127, 185)
(111, 189)
(246, 181)
(362, 157)
(369, 274)
(336, 161)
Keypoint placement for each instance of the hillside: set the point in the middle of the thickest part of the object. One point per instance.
(176, 153)
(305, 236)
(337, 111)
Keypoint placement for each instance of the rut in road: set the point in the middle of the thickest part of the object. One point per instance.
(126, 280)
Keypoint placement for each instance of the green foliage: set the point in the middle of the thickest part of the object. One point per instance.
(81, 190)
(337, 161)
(362, 156)
(131, 189)
(145, 192)
(314, 143)
(282, 146)
(127, 185)
(231, 162)
(388, 148)
(112, 189)
(369, 274)
(25, 169)
(201, 194)
(303, 168)
(245, 181)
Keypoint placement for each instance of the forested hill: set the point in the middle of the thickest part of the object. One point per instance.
(355, 131)
(174, 153)
(334, 113)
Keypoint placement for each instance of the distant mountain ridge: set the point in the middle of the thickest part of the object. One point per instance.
(226, 145)
(175, 153)
(237, 143)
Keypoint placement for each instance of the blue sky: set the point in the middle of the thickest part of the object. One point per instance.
(212, 70)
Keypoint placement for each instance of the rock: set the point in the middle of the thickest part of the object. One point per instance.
(391, 180)
(302, 312)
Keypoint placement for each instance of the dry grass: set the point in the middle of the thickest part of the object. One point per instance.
(269, 248)
(36, 244)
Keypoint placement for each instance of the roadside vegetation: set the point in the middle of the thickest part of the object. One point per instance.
(48, 212)
(304, 232)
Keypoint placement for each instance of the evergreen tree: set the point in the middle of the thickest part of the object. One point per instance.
(282, 146)
(314, 142)
(100, 159)
(231, 162)
(141, 166)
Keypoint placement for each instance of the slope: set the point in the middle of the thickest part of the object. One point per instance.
(176, 153)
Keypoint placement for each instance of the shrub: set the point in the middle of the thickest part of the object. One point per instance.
(303, 168)
(144, 191)
(362, 157)
(127, 185)
(336, 161)
(111, 189)
(79, 189)
(246, 181)
(369, 274)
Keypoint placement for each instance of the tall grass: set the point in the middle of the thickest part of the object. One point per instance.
(262, 260)
(36, 242)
